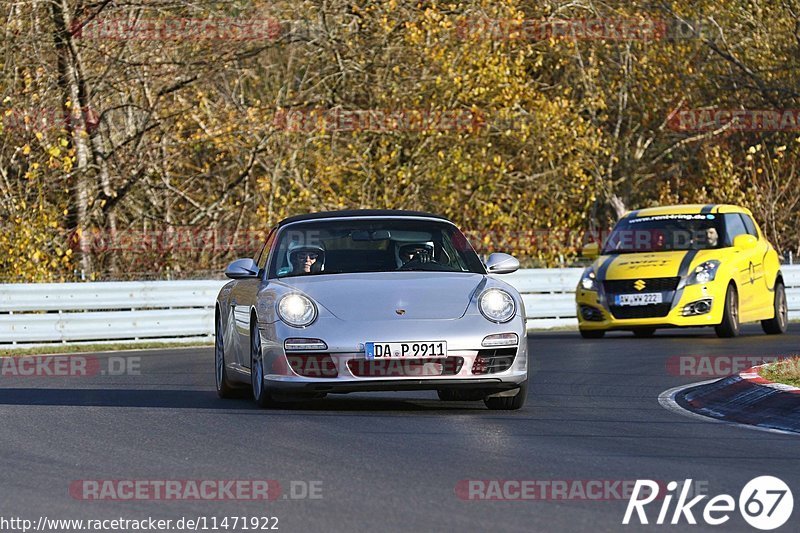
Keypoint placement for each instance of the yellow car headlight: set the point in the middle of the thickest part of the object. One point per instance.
(704, 273)
(589, 280)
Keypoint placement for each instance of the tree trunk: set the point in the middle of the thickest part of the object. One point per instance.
(79, 210)
(618, 204)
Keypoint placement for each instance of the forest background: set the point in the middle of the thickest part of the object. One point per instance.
(161, 139)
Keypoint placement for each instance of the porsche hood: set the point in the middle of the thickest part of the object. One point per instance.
(383, 296)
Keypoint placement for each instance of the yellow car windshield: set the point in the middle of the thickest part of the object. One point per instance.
(663, 233)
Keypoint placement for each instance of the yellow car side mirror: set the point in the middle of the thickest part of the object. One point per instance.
(591, 250)
(745, 241)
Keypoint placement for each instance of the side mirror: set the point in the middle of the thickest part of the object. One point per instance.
(501, 264)
(591, 250)
(242, 268)
(745, 241)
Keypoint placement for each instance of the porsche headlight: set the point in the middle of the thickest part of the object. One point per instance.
(497, 305)
(703, 273)
(297, 310)
(589, 280)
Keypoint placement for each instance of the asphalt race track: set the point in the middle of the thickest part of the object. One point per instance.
(387, 461)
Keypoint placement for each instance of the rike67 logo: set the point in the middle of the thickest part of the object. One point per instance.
(765, 503)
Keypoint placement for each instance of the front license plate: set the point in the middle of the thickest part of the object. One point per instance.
(406, 350)
(646, 298)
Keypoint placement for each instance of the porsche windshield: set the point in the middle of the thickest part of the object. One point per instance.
(663, 233)
(377, 245)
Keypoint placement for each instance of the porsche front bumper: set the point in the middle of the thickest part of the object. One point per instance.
(343, 366)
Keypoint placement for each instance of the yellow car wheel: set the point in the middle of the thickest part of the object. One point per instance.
(729, 327)
(777, 324)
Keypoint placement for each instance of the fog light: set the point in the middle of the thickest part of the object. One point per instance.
(700, 307)
(297, 344)
(591, 314)
(501, 339)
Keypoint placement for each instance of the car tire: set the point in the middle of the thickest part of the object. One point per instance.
(644, 333)
(777, 324)
(592, 333)
(260, 393)
(225, 388)
(509, 403)
(729, 327)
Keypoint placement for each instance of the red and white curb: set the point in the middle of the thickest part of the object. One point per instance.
(751, 376)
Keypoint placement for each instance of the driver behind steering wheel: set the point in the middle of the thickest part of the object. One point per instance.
(419, 252)
(306, 258)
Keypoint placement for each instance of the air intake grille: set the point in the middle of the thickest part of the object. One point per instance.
(403, 368)
(641, 311)
(494, 361)
(627, 286)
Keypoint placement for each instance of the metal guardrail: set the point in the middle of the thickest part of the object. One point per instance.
(107, 311)
(184, 310)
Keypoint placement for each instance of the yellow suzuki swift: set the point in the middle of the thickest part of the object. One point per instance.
(678, 266)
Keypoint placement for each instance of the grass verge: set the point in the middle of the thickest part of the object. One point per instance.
(786, 371)
(98, 347)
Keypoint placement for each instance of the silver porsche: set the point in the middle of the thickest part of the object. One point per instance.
(369, 300)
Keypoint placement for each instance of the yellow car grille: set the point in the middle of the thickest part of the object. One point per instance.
(632, 286)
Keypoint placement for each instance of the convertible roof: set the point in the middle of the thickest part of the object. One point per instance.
(357, 213)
